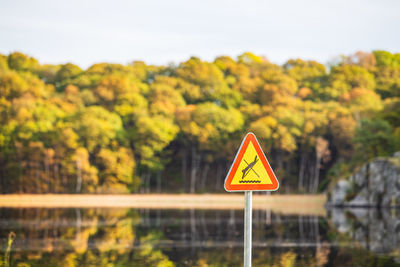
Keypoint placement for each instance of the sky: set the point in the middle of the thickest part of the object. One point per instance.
(160, 32)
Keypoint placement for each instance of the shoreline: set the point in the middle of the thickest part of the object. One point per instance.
(284, 204)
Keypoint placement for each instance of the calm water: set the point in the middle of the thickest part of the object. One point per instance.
(131, 237)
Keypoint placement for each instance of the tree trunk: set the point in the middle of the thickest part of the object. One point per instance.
(193, 170)
(279, 159)
(321, 150)
(301, 170)
(65, 185)
(195, 166)
(2, 177)
(78, 176)
(46, 171)
(311, 177)
(184, 168)
(56, 177)
(204, 175)
(217, 177)
(159, 182)
(148, 177)
(37, 172)
(316, 175)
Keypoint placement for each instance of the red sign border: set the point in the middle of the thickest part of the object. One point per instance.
(250, 137)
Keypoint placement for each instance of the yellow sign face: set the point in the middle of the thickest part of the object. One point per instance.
(251, 170)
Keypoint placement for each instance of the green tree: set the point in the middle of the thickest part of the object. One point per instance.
(209, 82)
(97, 128)
(22, 62)
(67, 71)
(374, 138)
(345, 77)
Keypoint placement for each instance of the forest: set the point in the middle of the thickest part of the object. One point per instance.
(139, 128)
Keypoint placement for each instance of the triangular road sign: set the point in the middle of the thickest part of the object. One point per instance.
(250, 171)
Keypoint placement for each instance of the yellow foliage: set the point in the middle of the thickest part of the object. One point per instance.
(288, 259)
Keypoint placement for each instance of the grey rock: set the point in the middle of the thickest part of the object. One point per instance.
(359, 178)
(339, 192)
(376, 184)
(360, 200)
(340, 221)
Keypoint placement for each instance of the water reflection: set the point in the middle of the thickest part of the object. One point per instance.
(135, 237)
(377, 230)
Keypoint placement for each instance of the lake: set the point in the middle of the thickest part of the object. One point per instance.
(196, 237)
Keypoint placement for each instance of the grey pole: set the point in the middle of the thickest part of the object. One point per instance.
(247, 227)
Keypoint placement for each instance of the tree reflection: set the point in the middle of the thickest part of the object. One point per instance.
(143, 237)
(92, 237)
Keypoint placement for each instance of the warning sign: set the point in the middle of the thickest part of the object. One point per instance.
(250, 170)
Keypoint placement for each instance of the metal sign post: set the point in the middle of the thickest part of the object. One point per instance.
(247, 227)
(250, 171)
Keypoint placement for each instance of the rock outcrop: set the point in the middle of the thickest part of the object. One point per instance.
(376, 184)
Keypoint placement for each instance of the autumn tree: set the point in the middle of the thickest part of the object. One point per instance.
(119, 128)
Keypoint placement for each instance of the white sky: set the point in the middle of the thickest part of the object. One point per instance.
(158, 32)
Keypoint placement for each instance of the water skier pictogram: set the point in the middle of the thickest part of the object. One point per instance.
(249, 168)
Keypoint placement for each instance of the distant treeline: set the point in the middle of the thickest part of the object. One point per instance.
(141, 128)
